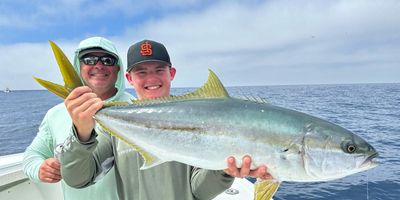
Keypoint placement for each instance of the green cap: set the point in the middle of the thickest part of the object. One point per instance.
(84, 52)
(145, 51)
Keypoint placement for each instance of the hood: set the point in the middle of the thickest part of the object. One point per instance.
(106, 45)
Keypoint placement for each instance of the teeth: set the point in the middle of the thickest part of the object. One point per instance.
(102, 75)
(153, 87)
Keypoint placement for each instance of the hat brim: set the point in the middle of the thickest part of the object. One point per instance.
(95, 50)
(128, 69)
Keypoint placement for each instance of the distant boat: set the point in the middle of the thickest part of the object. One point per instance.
(7, 90)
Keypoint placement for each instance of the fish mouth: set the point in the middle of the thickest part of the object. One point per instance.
(370, 162)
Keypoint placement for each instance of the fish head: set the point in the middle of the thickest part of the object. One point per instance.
(331, 152)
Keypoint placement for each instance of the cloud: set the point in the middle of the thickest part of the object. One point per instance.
(286, 42)
(255, 42)
(20, 62)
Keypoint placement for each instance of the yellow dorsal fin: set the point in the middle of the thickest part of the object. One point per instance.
(265, 189)
(213, 88)
(115, 103)
(71, 78)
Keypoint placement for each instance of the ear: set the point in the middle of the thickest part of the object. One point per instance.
(172, 72)
(128, 77)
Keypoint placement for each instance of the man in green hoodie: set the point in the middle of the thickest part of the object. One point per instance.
(97, 62)
(150, 72)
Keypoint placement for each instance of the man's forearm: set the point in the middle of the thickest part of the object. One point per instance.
(207, 184)
(78, 165)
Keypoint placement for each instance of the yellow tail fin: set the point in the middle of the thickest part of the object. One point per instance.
(265, 189)
(71, 78)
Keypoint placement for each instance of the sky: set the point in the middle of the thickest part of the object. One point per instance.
(246, 43)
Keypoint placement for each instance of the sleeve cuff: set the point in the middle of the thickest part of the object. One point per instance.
(224, 174)
(91, 140)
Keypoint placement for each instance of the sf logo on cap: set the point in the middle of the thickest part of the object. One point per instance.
(145, 49)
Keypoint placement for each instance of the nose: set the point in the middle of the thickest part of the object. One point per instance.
(99, 65)
(152, 77)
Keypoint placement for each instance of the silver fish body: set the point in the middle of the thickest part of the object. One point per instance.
(205, 132)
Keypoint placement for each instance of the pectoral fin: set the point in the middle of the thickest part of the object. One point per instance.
(150, 160)
(265, 189)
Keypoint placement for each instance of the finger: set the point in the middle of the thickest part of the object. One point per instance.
(261, 172)
(84, 105)
(49, 166)
(267, 177)
(82, 117)
(245, 169)
(51, 180)
(78, 104)
(232, 169)
(75, 93)
(53, 163)
(52, 175)
(48, 176)
(54, 171)
(92, 106)
(77, 97)
(55, 176)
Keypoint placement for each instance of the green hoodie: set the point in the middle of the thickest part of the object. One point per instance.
(56, 127)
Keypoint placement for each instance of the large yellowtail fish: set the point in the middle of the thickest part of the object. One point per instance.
(207, 126)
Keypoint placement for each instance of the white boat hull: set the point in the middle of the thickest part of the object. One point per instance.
(15, 185)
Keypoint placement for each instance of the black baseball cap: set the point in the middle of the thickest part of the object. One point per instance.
(145, 51)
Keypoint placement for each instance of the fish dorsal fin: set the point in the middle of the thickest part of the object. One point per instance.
(212, 89)
(115, 103)
(265, 189)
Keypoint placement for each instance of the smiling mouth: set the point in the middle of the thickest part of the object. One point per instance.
(99, 75)
(153, 87)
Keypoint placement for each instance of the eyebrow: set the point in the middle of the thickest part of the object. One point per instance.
(161, 66)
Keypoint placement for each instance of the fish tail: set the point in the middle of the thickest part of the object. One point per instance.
(265, 189)
(70, 76)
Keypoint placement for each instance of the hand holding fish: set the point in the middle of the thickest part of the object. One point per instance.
(82, 104)
(232, 170)
(49, 171)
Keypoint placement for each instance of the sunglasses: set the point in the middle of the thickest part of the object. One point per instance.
(106, 60)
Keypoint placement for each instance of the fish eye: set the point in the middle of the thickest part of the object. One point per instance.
(351, 148)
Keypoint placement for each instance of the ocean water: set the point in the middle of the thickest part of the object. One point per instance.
(372, 111)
